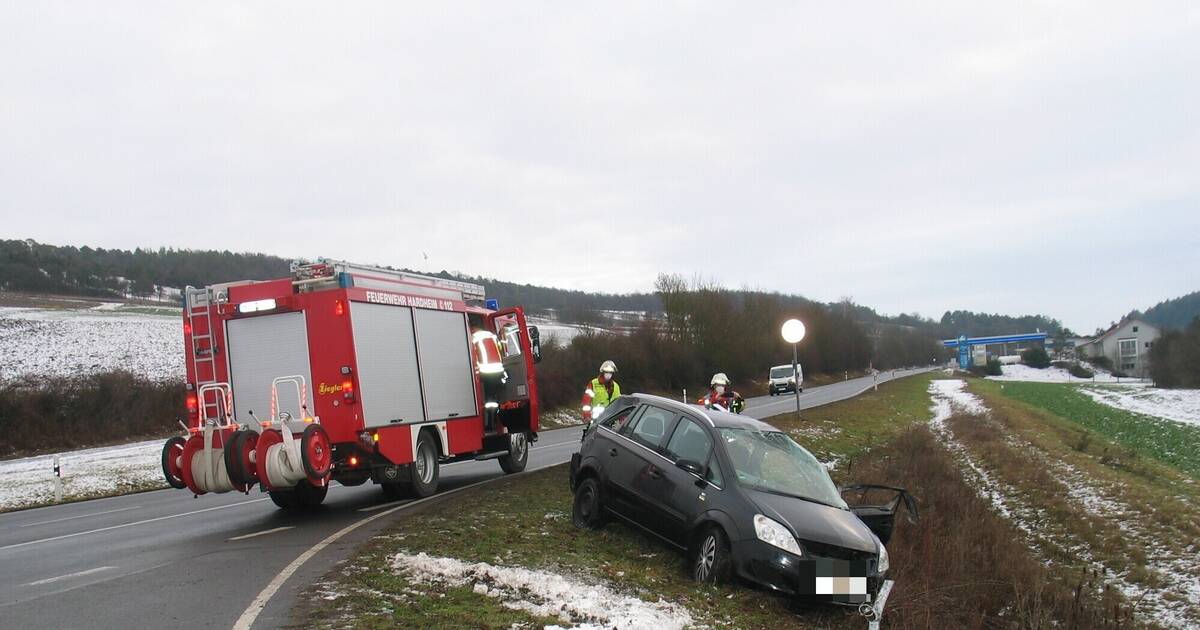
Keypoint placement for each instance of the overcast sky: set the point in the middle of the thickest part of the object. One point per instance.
(1028, 157)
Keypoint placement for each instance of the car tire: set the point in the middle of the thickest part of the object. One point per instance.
(518, 453)
(711, 561)
(588, 509)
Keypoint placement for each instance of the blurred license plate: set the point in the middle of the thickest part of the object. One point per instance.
(840, 586)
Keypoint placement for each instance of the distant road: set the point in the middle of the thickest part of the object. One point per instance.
(164, 559)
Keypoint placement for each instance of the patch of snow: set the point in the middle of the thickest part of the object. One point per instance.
(69, 342)
(545, 594)
(1179, 405)
(951, 391)
(85, 473)
(1056, 375)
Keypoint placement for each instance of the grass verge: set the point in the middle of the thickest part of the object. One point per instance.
(960, 565)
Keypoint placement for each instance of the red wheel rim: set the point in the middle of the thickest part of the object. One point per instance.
(248, 446)
(265, 441)
(174, 457)
(194, 445)
(318, 455)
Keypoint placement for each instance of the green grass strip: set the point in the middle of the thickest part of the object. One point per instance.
(1169, 442)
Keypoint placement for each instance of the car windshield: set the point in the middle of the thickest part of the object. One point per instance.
(770, 461)
(783, 372)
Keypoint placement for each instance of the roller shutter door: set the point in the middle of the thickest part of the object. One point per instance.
(445, 359)
(386, 351)
(261, 349)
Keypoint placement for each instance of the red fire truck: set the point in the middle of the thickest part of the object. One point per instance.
(349, 373)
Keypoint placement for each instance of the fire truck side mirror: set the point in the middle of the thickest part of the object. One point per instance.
(535, 344)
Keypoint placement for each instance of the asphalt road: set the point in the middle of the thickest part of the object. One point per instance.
(164, 559)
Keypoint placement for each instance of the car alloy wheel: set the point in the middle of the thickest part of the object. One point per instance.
(706, 558)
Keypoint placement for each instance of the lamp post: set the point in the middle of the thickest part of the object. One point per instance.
(793, 332)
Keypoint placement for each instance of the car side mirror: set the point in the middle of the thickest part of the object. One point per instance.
(692, 466)
(535, 344)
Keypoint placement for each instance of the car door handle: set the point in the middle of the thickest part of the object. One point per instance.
(655, 473)
(612, 452)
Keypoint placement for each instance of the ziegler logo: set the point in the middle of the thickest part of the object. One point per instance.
(326, 388)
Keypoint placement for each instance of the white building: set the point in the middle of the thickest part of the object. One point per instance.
(1127, 345)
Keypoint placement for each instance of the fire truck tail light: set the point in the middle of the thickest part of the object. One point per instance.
(348, 387)
(187, 328)
(191, 403)
(339, 307)
(353, 460)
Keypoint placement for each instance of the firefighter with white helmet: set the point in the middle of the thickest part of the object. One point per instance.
(600, 392)
(721, 396)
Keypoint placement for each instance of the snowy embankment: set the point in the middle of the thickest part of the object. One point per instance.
(93, 472)
(1171, 576)
(545, 594)
(1179, 405)
(74, 342)
(1019, 372)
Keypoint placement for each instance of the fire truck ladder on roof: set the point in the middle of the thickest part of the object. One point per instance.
(198, 308)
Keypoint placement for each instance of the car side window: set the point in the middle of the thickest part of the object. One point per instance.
(651, 426)
(618, 420)
(689, 441)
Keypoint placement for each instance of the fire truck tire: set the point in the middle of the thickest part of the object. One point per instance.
(316, 452)
(172, 458)
(284, 499)
(310, 497)
(394, 491)
(518, 453)
(424, 469)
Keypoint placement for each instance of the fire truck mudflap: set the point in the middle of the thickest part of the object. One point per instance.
(349, 373)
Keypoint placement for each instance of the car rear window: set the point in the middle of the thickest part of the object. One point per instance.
(689, 441)
(651, 427)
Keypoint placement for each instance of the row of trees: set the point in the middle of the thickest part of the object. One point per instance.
(1175, 357)
(1177, 313)
(707, 329)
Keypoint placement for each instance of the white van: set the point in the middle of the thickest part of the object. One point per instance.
(781, 379)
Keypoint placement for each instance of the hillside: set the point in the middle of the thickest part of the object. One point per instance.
(1176, 313)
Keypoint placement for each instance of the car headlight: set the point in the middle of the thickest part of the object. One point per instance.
(773, 533)
(884, 562)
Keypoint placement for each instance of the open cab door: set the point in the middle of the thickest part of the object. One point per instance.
(881, 517)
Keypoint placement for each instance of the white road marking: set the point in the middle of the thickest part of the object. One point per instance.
(69, 575)
(256, 607)
(71, 518)
(372, 508)
(262, 533)
(110, 528)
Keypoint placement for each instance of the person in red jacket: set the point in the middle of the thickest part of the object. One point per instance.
(721, 396)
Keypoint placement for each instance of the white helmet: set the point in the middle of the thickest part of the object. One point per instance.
(719, 379)
(608, 366)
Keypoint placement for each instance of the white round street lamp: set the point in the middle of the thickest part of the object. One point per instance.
(793, 332)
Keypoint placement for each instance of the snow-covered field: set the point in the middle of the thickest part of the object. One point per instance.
(70, 342)
(1020, 372)
(545, 594)
(1180, 405)
(91, 472)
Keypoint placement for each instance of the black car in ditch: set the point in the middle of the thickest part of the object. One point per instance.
(740, 496)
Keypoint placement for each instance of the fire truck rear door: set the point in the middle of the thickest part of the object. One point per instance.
(261, 349)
